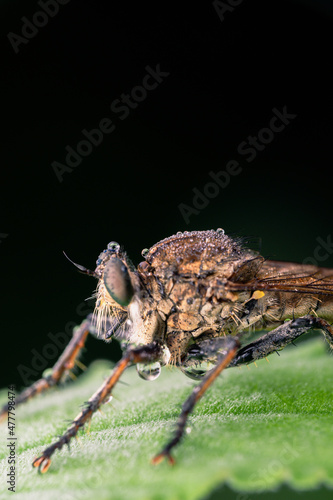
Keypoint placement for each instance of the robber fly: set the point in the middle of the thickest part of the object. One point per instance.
(189, 304)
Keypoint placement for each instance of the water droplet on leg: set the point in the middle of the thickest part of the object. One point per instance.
(149, 371)
(198, 371)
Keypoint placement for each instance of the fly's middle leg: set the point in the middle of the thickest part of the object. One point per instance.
(230, 350)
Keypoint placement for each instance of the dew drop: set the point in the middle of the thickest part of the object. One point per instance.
(47, 373)
(202, 357)
(198, 371)
(149, 371)
(109, 400)
(145, 252)
(113, 246)
(220, 230)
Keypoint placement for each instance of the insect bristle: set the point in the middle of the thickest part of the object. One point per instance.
(103, 309)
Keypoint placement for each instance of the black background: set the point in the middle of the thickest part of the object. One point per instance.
(225, 79)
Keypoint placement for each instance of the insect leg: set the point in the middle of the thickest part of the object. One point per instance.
(223, 361)
(145, 354)
(64, 363)
(281, 336)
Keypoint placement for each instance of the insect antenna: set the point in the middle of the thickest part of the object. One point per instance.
(82, 269)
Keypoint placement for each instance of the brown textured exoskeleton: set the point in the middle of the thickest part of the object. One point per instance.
(190, 304)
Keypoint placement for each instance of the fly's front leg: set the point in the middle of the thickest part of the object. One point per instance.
(146, 354)
(277, 339)
(64, 363)
(230, 349)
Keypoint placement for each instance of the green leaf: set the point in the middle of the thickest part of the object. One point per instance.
(254, 430)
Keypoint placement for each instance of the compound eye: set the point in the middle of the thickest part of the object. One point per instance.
(118, 282)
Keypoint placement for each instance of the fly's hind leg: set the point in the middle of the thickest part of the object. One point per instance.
(278, 338)
(65, 362)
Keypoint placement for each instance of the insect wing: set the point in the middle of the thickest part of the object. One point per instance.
(289, 277)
